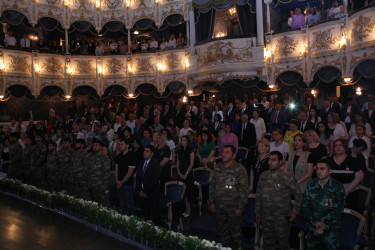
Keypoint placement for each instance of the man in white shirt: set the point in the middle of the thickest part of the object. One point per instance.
(153, 44)
(117, 123)
(25, 42)
(131, 122)
(9, 40)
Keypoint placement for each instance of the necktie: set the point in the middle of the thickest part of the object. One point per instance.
(302, 126)
(230, 110)
(275, 117)
(243, 130)
(144, 170)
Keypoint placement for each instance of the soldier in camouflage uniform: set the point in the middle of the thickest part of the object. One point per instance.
(322, 206)
(65, 165)
(228, 197)
(15, 157)
(26, 160)
(80, 170)
(52, 168)
(37, 167)
(273, 203)
(98, 173)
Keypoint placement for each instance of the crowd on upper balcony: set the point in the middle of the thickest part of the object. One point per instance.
(316, 14)
(98, 46)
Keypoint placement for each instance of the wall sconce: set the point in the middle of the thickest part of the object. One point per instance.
(97, 4)
(342, 42)
(127, 4)
(130, 69)
(358, 91)
(313, 92)
(232, 11)
(69, 70)
(190, 92)
(33, 38)
(160, 67)
(100, 70)
(2, 66)
(303, 50)
(136, 32)
(157, 2)
(347, 79)
(220, 34)
(36, 69)
(271, 86)
(1, 96)
(131, 95)
(267, 53)
(187, 64)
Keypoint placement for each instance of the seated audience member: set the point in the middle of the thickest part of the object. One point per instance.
(144, 46)
(164, 44)
(300, 164)
(153, 44)
(114, 46)
(336, 11)
(312, 17)
(10, 41)
(290, 18)
(99, 50)
(334, 129)
(172, 42)
(323, 11)
(123, 48)
(323, 217)
(25, 42)
(348, 171)
(360, 130)
(180, 42)
(55, 48)
(298, 19)
(134, 46)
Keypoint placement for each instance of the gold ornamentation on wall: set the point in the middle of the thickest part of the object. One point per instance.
(81, 4)
(112, 4)
(84, 67)
(362, 27)
(52, 2)
(144, 65)
(285, 46)
(52, 65)
(173, 61)
(324, 39)
(220, 52)
(18, 63)
(114, 65)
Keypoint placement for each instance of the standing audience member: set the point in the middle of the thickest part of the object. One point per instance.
(260, 163)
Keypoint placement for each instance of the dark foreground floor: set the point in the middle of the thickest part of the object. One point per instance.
(24, 227)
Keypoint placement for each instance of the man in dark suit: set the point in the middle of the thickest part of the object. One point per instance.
(147, 189)
(122, 129)
(370, 114)
(179, 114)
(166, 114)
(310, 103)
(246, 134)
(278, 117)
(333, 105)
(138, 130)
(245, 110)
(229, 116)
(304, 124)
(347, 113)
(324, 111)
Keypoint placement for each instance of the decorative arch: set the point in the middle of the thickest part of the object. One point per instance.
(83, 27)
(115, 90)
(5, 15)
(328, 74)
(140, 19)
(173, 14)
(313, 73)
(365, 67)
(19, 91)
(147, 89)
(291, 78)
(52, 90)
(85, 90)
(44, 24)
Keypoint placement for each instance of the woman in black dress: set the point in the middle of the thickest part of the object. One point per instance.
(162, 154)
(185, 163)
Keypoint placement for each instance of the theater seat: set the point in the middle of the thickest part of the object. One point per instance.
(352, 228)
(202, 179)
(173, 199)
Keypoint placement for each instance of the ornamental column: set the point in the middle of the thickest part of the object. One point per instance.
(260, 28)
(192, 29)
(268, 2)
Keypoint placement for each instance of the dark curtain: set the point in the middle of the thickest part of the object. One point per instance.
(50, 24)
(82, 26)
(328, 74)
(366, 69)
(204, 24)
(247, 18)
(12, 17)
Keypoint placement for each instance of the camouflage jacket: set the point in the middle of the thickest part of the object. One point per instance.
(324, 204)
(274, 194)
(51, 163)
(98, 169)
(15, 154)
(26, 156)
(79, 170)
(38, 157)
(228, 187)
(65, 162)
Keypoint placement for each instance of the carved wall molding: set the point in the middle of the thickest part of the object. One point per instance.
(285, 45)
(362, 27)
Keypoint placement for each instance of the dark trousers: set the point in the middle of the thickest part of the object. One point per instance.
(150, 208)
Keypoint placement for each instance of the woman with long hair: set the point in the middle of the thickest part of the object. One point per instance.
(185, 164)
(300, 165)
(259, 164)
(206, 149)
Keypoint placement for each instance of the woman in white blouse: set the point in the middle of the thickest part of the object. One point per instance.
(335, 130)
(217, 111)
(260, 127)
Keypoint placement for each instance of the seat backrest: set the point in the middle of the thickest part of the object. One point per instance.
(242, 153)
(174, 191)
(364, 195)
(202, 175)
(352, 224)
